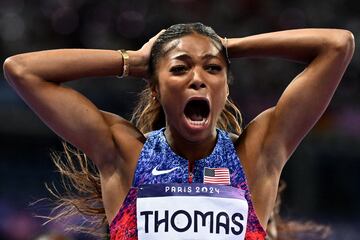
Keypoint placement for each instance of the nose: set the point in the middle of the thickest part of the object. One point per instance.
(197, 81)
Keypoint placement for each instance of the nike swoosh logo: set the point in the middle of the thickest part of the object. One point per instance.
(156, 172)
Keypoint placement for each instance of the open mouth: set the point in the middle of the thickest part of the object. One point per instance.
(197, 111)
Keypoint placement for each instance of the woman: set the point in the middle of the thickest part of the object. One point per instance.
(188, 95)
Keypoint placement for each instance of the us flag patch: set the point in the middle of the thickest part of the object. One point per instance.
(217, 176)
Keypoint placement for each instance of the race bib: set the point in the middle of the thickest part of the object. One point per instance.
(191, 211)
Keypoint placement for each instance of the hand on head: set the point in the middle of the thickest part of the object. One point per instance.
(139, 64)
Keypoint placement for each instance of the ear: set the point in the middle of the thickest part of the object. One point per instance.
(227, 90)
(155, 92)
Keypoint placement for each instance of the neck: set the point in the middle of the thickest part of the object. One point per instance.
(190, 150)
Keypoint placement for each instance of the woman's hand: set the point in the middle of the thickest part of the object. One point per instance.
(139, 60)
(222, 40)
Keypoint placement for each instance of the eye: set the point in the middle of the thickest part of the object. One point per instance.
(178, 69)
(213, 68)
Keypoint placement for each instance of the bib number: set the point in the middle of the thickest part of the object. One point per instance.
(191, 211)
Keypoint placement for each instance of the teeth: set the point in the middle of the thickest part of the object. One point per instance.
(198, 123)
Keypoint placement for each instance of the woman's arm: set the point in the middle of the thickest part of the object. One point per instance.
(302, 45)
(327, 52)
(37, 78)
(269, 140)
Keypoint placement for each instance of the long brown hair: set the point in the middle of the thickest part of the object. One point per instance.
(80, 193)
(281, 229)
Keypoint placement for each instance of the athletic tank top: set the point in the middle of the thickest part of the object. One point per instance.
(156, 155)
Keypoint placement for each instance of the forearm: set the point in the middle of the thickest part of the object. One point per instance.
(298, 45)
(68, 64)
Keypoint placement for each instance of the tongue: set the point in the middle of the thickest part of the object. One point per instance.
(196, 110)
(195, 116)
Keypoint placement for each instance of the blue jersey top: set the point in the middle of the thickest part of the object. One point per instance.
(159, 164)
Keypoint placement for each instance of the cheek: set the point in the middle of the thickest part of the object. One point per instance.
(168, 92)
(220, 96)
(170, 96)
(170, 87)
(221, 87)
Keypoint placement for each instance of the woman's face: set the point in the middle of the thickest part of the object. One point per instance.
(192, 86)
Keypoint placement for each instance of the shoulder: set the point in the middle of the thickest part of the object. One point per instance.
(233, 137)
(254, 132)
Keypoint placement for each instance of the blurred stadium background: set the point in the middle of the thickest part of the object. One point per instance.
(323, 175)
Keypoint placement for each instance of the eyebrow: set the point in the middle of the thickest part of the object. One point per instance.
(185, 56)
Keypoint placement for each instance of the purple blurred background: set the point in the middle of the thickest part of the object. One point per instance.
(323, 174)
